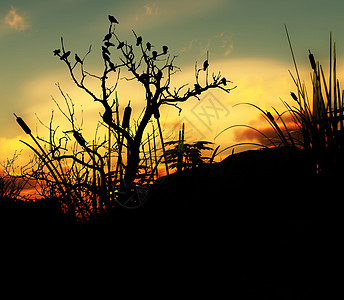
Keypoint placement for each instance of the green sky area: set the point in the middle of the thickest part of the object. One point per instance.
(230, 30)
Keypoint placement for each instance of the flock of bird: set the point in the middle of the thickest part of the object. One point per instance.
(121, 44)
(108, 44)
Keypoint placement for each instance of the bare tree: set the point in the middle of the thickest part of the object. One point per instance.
(153, 68)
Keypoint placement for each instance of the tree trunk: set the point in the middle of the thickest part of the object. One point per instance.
(133, 160)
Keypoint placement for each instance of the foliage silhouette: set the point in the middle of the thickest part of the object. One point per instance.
(183, 156)
(12, 184)
(317, 124)
(84, 174)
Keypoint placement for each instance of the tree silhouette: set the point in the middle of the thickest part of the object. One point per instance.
(153, 69)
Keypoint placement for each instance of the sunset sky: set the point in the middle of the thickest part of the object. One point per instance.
(245, 40)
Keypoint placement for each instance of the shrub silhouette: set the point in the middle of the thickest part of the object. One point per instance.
(183, 156)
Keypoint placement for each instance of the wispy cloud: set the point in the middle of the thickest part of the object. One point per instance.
(227, 43)
(222, 42)
(16, 21)
(189, 47)
(151, 9)
(229, 49)
(171, 12)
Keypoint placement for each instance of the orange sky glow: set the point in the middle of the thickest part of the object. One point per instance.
(246, 42)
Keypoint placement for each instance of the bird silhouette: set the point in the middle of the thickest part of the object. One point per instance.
(65, 55)
(109, 44)
(107, 37)
(105, 50)
(106, 57)
(138, 40)
(197, 88)
(78, 59)
(57, 52)
(107, 116)
(224, 81)
(112, 66)
(155, 54)
(205, 65)
(164, 49)
(120, 45)
(112, 19)
(149, 46)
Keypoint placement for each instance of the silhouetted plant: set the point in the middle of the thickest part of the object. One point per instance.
(12, 183)
(153, 69)
(90, 170)
(320, 122)
(183, 156)
(317, 124)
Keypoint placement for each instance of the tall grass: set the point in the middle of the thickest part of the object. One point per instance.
(86, 177)
(320, 119)
(317, 122)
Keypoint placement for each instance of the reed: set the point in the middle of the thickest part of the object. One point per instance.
(320, 119)
(317, 122)
(86, 177)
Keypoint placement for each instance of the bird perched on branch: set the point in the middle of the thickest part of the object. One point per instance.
(107, 116)
(139, 41)
(106, 57)
(164, 49)
(65, 55)
(155, 54)
(112, 19)
(109, 44)
(197, 88)
(149, 46)
(78, 59)
(57, 52)
(112, 66)
(224, 81)
(105, 50)
(120, 45)
(107, 37)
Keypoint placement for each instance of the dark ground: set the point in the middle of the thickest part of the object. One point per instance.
(257, 225)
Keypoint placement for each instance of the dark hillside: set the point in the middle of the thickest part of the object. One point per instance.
(279, 222)
(258, 223)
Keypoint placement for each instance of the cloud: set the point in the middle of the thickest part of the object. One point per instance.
(189, 47)
(223, 41)
(166, 13)
(151, 9)
(16, 21)
(252, 135)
